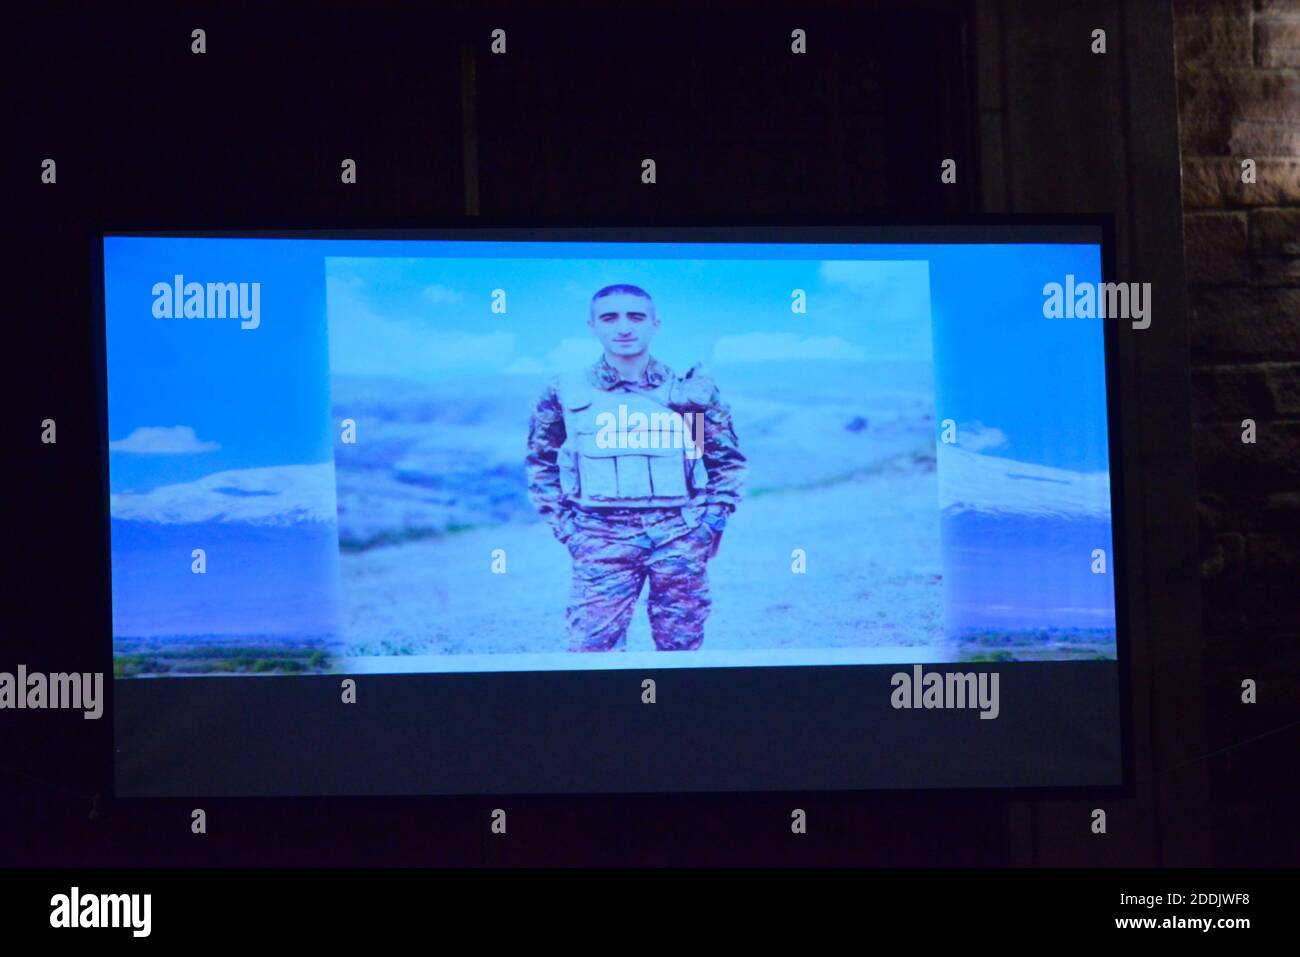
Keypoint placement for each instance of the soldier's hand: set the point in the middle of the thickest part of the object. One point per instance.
(708, 536)
(704, 534)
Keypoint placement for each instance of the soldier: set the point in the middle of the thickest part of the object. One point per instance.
(636, 469)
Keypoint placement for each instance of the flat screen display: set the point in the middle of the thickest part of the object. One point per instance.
(555, 510)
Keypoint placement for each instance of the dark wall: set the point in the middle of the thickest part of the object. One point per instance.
(1239, 99)
(253, 132)
(736, 123)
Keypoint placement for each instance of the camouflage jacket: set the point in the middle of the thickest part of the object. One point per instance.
(694, 392)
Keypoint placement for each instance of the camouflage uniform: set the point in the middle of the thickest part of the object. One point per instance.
(628, 514)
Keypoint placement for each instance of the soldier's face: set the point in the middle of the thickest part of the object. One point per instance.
(623, 323)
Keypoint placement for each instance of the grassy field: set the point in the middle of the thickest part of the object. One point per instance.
(1039, 644)
(151, 657)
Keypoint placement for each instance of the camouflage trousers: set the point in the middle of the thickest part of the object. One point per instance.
(614, 552)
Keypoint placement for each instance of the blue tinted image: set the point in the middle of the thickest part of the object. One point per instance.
(1024, 481)
(372, 455)
(223, 530)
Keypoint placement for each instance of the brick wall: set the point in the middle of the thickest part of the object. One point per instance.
(1239, 98)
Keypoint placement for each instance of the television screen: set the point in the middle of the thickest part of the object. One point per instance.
(580, 510)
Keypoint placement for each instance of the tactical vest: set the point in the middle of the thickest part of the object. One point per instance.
(626, 449)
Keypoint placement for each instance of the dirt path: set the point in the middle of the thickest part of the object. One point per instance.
(871, 580)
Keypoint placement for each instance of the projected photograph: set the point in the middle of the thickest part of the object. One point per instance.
(699, 461)
(363, 456)
(223, 534)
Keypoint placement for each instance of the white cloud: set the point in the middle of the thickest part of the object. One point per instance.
(568, 355)
(439, 294)
(526, 366)
(866, 274)
(774, 346)
(976, 436)
(573, 353)
(273, 495)
(163, 440)
(346, 279)
(971, 482)
(363, 342)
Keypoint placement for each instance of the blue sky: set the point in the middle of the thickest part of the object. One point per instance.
(1040, 382)
(228, 398)
(430, 319)
(196, 396)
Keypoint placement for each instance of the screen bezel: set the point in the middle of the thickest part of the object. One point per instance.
(948, 230)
